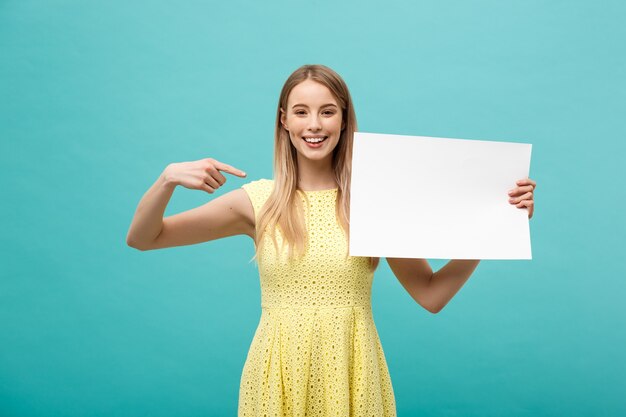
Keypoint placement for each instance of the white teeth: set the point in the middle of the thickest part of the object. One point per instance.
(313, 140)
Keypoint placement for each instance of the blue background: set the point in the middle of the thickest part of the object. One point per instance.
(96, 98)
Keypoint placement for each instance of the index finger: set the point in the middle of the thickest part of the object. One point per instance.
(231, 170)
(527, 181)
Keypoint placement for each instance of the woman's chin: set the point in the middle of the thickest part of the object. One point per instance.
(313, 156)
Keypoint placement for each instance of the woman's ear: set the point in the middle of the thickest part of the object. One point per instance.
(283, 118)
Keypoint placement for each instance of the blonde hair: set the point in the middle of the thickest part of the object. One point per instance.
(283, 208)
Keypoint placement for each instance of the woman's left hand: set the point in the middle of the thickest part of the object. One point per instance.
(522, 195)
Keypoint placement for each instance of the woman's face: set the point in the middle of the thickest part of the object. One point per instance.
(312, 114)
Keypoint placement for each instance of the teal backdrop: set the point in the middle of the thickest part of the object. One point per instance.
(96, 98)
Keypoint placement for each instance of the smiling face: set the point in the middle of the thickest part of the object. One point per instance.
(313, 119)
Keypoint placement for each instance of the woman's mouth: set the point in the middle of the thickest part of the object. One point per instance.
(315, 142)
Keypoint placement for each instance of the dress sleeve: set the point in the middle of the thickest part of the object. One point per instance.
(258, 191)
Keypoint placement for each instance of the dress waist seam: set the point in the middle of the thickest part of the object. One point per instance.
(298, 307)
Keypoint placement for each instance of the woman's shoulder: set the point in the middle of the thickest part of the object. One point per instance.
(262, 184)
(259, 191)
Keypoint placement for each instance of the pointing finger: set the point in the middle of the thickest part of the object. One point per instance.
(229, 169)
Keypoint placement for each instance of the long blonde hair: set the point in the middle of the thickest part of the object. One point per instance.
(283, 208)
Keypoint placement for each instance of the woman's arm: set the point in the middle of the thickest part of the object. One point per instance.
(227, 215)
(434, 290)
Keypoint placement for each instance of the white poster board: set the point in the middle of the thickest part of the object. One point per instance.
(437, 198)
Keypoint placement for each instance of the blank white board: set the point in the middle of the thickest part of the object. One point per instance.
(437, 198)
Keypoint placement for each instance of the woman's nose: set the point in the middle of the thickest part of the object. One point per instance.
(314, 123)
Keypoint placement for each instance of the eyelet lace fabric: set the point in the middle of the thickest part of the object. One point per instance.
(316, 351)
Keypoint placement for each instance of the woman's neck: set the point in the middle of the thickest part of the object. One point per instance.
(316, 175)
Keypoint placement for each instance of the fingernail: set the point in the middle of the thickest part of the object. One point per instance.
(510, 192)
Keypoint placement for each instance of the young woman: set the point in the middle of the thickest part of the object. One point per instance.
(316, 351)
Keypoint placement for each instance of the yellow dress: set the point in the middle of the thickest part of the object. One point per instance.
(316, 351)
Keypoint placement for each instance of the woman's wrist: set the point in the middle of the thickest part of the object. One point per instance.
(166, 179)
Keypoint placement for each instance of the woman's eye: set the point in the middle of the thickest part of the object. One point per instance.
(326, 113)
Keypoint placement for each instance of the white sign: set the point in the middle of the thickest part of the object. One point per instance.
(437, 198)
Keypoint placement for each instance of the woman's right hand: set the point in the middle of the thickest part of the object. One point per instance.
(203, 174)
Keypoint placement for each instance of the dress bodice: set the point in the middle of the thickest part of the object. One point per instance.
(325, 276)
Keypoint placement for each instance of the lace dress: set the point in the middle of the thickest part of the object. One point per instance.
(316, 351)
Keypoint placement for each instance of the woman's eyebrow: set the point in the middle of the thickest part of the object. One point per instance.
(304, 105)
